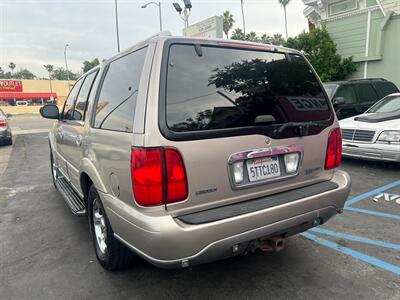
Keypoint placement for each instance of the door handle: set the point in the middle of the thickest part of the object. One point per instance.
(78, 140)
(61, 133)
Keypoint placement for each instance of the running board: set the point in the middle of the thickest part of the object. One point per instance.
(74, 202)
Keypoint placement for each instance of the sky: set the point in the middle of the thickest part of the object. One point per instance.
(34, 32)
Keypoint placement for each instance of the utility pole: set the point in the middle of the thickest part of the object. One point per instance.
(66, 64)
(244, 22)
(116, 23)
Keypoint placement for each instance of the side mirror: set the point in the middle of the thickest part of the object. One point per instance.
(339, 101)
(50, 111)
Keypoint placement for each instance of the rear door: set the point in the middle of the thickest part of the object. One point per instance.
(232, 113)
(367, 96)
(385, 88)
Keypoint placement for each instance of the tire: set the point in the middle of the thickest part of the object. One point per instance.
(53, 168)
(9, 141)
(111, 254)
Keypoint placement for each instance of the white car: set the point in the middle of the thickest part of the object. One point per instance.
(374, 135)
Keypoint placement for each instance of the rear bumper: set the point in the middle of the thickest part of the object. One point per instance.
(171, 243)
(5, 134)
(378, 152)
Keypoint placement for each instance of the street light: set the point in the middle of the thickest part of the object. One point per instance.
(186, 11)
(284, 3)
(116, 23)
(159, 11)
(66, 64)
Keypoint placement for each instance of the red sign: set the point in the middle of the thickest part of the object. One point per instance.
(8, 85)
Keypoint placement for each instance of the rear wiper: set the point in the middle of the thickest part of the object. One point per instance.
(301, 127)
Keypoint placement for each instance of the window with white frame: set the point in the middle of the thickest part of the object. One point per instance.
(341, 7)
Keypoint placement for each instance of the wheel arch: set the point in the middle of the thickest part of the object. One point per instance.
(89, 175)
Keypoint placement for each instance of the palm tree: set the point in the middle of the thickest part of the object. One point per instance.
(244, 23)
(12, 66)
(277, 39)
(284, 3)
(227, 22)
(49, 68)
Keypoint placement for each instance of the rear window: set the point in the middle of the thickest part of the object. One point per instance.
(385, 88)
(212, 88)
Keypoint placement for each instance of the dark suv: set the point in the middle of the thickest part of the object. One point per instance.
(354, 97)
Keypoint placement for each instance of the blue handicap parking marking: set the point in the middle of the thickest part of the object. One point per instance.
(356, 238)
(379, 194)
(372, 193)
(373, 213)
(356, 254)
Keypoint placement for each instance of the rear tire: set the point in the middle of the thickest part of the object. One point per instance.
(9, 141)
(53, 168)
(111, 254)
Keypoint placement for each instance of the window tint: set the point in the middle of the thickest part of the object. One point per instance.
(347, 93)
(387, 104)
(220, 88)
(366, 92)
(80, 105)
(118, 94)
(385, 88)
(330, 89)
(69, 103)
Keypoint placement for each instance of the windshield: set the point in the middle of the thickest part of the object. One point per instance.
(387, 104)
(330, 89)
(211, 88)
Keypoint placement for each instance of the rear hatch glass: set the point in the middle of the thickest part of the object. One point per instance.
(212, 91)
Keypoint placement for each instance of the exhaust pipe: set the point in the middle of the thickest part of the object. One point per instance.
(274, 244)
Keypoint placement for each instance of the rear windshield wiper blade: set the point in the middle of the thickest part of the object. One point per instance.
(301, 127)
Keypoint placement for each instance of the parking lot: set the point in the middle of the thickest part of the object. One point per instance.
(46, 252)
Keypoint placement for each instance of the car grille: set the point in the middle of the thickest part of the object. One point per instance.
(358, 135)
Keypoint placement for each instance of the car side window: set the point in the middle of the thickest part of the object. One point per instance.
(81, 101)
(69, 103)
(366, 92)
(385, 88)
(347, 93)
(117, 99)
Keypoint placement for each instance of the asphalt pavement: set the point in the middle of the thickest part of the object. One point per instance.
(46, 252)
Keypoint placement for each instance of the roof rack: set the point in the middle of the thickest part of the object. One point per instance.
(366, 79)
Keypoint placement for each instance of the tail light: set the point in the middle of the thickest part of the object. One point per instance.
(3, 123)
(158, 176)
(334, 149)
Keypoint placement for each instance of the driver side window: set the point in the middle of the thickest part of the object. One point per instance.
(69, 103)
(347, 93)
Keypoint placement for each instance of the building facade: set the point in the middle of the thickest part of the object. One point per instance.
(368, 30)
(32, 92)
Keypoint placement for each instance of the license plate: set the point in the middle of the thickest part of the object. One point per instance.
(263, 168)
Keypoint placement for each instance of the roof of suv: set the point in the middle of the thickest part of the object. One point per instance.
(166, 35)
(356, 81)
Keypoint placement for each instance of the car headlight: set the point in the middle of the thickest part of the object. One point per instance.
(389, 136)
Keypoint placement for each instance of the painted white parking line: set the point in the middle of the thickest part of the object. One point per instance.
(30, 131)
(5, 152)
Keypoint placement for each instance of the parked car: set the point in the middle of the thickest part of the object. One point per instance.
(374, 135)
(21, 103)
(354, 97)
(187, 150)
(5, 129)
